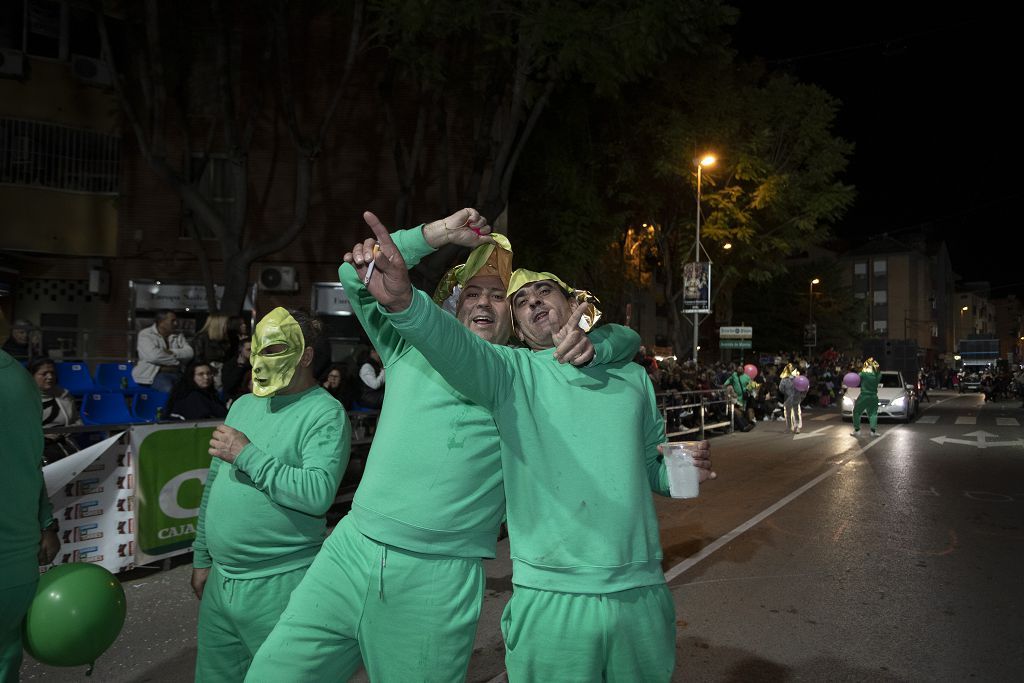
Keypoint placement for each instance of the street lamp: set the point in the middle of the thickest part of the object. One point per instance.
(707, 161)
(810, 301)
(812, 334)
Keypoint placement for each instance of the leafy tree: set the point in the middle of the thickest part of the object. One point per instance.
(773, 193)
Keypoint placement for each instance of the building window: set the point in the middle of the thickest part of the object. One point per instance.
(881, 296)
(860, 295)
(860, 268)
(215, 185)
(881, 326)
(58, 157)
(935, 331)
(879, 266)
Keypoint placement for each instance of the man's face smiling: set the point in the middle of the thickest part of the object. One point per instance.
(484, 310)
(536, 306)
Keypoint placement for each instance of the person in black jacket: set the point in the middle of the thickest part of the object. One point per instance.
(194, 397)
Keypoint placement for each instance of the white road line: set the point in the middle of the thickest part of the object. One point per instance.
(928, 419)
(723, 540)
(1007, 422)
(823, 417)
(967, 420)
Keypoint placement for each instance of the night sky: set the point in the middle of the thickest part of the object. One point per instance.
(927, 99)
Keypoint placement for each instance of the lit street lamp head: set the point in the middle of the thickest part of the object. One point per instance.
(707, 160)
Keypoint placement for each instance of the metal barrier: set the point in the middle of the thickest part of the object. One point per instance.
(686, 412)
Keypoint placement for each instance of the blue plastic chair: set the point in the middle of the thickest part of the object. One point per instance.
(75, 377)
(105, 408)
(147, 403)
(116, 377)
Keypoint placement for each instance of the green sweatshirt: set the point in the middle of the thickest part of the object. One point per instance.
(869, 383)
(25, 508)
(579, 454)
(433, 480)
(265, 514)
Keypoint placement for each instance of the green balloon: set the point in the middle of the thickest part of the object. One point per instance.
(78, 610)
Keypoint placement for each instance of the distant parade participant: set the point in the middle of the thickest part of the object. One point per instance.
(868, 398)
(791, 398)
(277, 462)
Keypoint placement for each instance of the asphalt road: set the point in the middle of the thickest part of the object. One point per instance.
(819, 556)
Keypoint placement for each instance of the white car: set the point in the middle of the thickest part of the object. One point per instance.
(896, 399)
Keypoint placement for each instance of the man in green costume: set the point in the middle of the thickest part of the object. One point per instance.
(399, 583)
(579, 457)
(868, 398)
(277, 462)
(28, 531)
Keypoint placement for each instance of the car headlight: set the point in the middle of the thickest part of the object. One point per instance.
(900, 402)
(847, 403)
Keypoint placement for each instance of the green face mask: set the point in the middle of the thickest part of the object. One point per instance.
(277, 346)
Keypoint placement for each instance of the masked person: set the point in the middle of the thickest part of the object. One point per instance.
(579, 459)
(400, 581)
(868, 398)
(277, 462)
(28, 531)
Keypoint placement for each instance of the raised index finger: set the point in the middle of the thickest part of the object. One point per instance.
(574, 319)
(387, 246)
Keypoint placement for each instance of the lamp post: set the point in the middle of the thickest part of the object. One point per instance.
(706, 161)
(812, 335)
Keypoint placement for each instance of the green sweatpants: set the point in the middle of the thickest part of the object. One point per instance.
(567, 637)
(14, 604)
(408, 616)
(235, 617)
(867, 404)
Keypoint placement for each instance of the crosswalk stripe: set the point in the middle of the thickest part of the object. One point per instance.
(1007, 422)
(928, 419)
(967, 420)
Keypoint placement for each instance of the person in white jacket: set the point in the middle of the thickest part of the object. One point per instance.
(162, 353)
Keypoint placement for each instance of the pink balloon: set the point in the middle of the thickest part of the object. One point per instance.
(801, 383)
(851, 379)
(750, 370)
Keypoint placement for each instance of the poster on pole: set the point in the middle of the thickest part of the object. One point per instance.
(697, 287)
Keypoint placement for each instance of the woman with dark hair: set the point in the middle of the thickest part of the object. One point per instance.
(58, 409)
(371, 380)
(337, 384)
(194, 397)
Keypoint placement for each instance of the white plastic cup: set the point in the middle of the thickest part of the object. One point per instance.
(683, 477)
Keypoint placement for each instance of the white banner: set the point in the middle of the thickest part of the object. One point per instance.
(61, 472)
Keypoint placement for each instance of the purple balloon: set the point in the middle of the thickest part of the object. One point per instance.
(851, 379)
(801, 383)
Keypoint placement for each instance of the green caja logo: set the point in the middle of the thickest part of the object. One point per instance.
(171, 468)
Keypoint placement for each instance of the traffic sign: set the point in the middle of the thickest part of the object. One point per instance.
(735, 333)
(735, 343)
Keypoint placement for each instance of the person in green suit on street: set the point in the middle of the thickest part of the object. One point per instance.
(868, 399)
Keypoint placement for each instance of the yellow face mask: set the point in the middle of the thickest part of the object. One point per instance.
(277, 346)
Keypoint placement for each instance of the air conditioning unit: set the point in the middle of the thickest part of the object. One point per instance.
(279, 279)
(12, 62)
(91, 71)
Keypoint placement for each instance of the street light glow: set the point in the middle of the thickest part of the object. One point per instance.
(708, 160)
(815, 281)
(964, 308)
(727, 246)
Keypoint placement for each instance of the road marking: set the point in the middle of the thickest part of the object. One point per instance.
(979, 442)
(822, 417)
(928, 419)
(966, 420)
(1007, 422)
(808, 435)
(721, 541)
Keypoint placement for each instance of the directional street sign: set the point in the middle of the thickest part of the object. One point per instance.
(735, 343)
(981, 440)
(735, 332)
